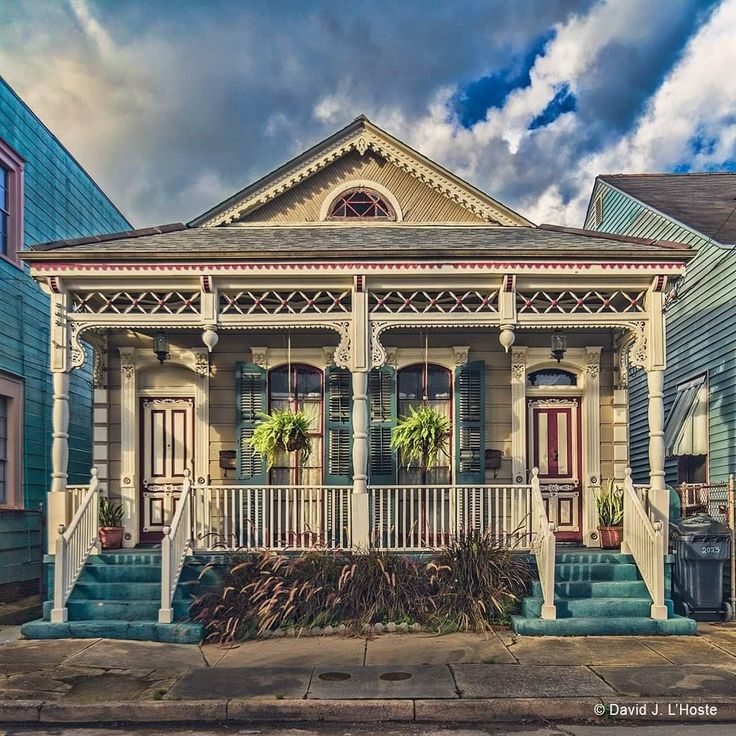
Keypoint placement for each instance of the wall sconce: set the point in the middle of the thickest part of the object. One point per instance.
(161, 346)
(559, 345)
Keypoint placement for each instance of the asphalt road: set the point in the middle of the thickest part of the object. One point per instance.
(701, 729)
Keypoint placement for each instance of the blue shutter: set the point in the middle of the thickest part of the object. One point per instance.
(382, 403)
(470, 423)
(252, 401)
(339, 427)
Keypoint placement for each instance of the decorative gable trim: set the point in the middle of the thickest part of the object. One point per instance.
(362, 136)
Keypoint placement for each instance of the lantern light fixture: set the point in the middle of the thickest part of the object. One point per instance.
(559, 345)
(161, 346)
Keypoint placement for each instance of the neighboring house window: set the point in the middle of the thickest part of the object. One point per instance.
(686, 431)
(361, 204)
(551, 377)
(426, 385)
(299, 388)
(11, 433)
(11, 203)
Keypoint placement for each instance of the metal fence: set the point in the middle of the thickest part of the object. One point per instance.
(21, 563)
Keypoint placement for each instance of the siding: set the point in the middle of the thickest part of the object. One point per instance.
(61, 201)
(700, 334)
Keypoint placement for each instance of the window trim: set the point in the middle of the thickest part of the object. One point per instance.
(12, 389)
(343, 187)
(14, 165)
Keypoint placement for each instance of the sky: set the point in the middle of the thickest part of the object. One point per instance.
(173, 105)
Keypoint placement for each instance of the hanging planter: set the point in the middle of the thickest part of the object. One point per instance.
(282, 431)
(421, 437)
(610, 504)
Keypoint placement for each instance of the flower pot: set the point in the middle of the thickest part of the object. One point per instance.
(611, 536)
(296, 442)
(111, 537)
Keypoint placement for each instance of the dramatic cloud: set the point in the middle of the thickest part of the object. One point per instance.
(173, 106)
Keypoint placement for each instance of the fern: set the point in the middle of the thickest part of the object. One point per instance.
(421, 436)
(282, 431)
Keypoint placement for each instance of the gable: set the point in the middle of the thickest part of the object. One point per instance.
(305, 202)
(357, 141)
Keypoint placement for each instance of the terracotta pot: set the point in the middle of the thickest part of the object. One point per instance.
(111, 537)
(611, 536)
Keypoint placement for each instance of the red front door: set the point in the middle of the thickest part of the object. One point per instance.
(555, 449)
(167, 446)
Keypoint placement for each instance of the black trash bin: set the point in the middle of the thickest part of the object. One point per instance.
(701, 545)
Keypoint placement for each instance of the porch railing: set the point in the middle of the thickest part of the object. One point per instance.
(411, 518)
(544, 548)
(176, 543)
(278, 517)
(76, 495)
(73, 546)
(644, 540)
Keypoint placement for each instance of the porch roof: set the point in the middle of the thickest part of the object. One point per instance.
(327, 242)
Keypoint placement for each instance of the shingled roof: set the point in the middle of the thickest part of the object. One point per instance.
(391, 242)
(703, 202)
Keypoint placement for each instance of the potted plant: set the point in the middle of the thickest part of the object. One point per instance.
(610, 503)
(282, 431)
(421, 437)
(110, 529)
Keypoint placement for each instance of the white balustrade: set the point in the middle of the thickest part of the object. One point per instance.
(643, 539)
(277, 517)
(76, 495)
(544, 548)
(73, 546)
(428, 516)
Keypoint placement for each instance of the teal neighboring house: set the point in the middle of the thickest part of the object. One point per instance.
(44, 195)
(700, 381)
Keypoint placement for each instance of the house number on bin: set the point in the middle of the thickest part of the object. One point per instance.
(710, 550)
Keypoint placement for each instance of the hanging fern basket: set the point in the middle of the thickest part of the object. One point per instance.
(282, 431)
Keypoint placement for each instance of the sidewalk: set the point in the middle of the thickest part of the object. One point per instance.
(393, 677)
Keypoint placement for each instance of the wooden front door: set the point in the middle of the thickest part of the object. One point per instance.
(167, 447)
(555, 448)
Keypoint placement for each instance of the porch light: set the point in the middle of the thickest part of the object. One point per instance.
(559, 345)
(161, 346)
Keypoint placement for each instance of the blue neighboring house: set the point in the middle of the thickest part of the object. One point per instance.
(44, 195)
(700, 380)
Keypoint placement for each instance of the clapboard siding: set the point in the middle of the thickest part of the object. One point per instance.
(61, 201)
(700, 334)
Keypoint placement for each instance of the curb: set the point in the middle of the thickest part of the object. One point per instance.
(481, 710)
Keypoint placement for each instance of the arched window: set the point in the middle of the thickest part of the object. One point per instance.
(551, 377)
(360, 203)
(298, 390)
(426, 385)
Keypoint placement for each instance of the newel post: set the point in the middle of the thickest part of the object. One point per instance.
(166, 612)
(60, 613)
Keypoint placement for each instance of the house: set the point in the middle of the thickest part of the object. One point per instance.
(354, 282)
(44, 195)
(700, 384)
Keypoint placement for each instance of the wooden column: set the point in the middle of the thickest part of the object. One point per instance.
(128, 446)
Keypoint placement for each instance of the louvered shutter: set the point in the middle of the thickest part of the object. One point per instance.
(470, 423)
(382, 402)
(339, 427)
(252, 401)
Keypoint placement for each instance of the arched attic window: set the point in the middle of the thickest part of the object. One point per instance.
(360, 203)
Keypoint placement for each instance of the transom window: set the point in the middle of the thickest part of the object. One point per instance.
(362, 204)
(426, 385)
(552, 377)
(298, 389)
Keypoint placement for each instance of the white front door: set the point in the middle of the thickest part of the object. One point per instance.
(167, 449)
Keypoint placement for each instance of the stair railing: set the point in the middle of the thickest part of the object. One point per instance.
(644, 540)
(543, 547)
(73, 546)
(175, 545)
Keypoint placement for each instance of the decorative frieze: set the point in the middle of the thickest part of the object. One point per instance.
(135, 302)
(580, 302)
(251, 302)
(422, 301)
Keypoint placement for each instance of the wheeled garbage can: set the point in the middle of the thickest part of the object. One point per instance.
(701, 546)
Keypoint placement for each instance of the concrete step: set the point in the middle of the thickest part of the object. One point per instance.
(593, 607)
(570, 572)
(596, 589)
(177, 633)
(134, 557)
(611, 626)
(125, 591)
(120, 610)
(120, 574)
(589, 557)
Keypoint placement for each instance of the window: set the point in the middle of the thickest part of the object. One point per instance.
(426, 385)
(11, 442)
(686, 427)
(360, 203)
(551, 377)
(298, 389)
(11, 203)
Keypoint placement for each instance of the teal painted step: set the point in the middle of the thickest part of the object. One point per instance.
(596, 589)
(117, 591)
(613, 626)
(572, 572)
(133, 557)
(121, 574)
(587, 558)
(594, 607)
(179, 633)
(122, 610)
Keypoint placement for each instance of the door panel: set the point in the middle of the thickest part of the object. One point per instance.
(555, 449)
(167, 442)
